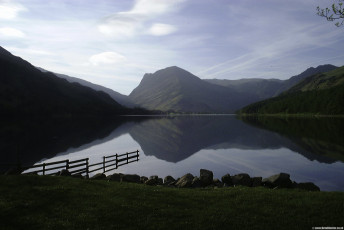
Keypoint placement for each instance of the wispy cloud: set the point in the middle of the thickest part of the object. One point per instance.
(159, 29)
(9, 9)
(132, 22)
(11, 32)
(106, 58)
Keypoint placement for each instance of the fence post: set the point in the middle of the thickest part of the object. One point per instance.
(87, 167)
(103, 164)
(137, 155)
(127, 158)
(67, 165)
(116, 161)
(43, 169)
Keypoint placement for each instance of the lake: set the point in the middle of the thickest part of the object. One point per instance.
(309, 149)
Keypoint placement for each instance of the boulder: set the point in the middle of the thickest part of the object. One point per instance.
(160, 181)
(206, 177)
(14, 171)
(131, 178)
(227, 180)
(155, 177)
(151, 182)
(196, 182)
(309, 186)
(185, 181)
(281, 180)
(99, 176)
(143, 179)
(256, 181)
(79, 176)
(242, 179)
(217, 183)
(168, 180)
(63, 172)
(115, 177)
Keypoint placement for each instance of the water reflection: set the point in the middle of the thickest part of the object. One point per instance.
(310, 150)
(176, 138)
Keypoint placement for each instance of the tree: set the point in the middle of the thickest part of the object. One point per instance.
(336, 12)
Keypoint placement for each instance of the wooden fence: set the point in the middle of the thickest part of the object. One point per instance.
(82, 166)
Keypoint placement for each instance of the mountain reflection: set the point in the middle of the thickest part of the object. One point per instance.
(174, 139)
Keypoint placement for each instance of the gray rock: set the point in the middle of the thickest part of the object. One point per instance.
(99, 176)
(185, 181)
(281, 180)
(79, 176)
(227, 180)
(168, 180)
(242, 179)
(151, 182)
(206, 177)
(256, 181)
(217, 183)
(64, 172)
(14, 171)
(115, 177)
(155, 177)
(160, 181)
(132, 178)
(143, 179)
(196, 182)
(309, 186)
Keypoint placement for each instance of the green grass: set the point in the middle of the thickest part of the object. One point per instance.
(37, 202)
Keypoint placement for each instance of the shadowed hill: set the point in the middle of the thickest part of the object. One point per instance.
(26, 91)
(317, 94)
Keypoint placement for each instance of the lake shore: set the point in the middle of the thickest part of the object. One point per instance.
(46, 202)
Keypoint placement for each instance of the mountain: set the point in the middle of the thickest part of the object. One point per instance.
(120, 98)
(266, 88)
(174, 89)
(318, 94)
(26, 91)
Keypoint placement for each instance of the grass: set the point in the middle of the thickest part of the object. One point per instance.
(43, 202)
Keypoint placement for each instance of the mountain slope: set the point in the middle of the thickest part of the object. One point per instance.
(174, 89)
(266, 88)
(26, 91)
(120, 98)
(317, 94)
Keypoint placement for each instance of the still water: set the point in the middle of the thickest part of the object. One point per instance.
(310, 150)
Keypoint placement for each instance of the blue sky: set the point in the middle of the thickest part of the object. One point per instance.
(114, 42)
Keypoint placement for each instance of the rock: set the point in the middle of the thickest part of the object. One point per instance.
(79, 176)
(256, 181)
(227, 180)
(309, 186)
(242, 179)
(155, 177)
(132, 178)
(14, 171)
(98, 176)
(206, 177)
(160, 181)
(143, 179)
(185, 181)
(64, 172)
(196, 182)
(168, 180)
(281, 180)
(115, 177)
(151, 182)
(217, 183)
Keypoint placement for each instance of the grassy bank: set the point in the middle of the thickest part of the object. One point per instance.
(37, 202)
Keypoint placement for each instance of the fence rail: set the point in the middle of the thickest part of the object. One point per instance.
(82, 166)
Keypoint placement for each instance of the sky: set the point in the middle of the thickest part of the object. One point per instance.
(115, 42)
